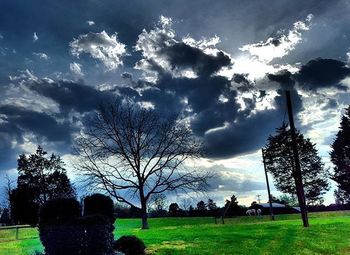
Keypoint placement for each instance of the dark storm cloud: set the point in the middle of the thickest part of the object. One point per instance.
(39, 123)
(202, 97)
(9, 133)
(247, 134)
(19, 121)
(315, 74)
(224, 181)
(200, 92)
(241, 79)
(226, 129)
(284, 78)
(181, 55)
(321, 73)
(58, 128)
(215, 116)
(71, 95)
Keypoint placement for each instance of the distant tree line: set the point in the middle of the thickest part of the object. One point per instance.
(201, 208)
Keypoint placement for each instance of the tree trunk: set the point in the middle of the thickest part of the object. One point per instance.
(144, 211)
(144, 220)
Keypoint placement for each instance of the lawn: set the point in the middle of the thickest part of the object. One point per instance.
(329, 233)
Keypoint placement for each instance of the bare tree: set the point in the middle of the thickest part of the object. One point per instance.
(158, 201)
(133, 153)
(186, 203)
(7, 190)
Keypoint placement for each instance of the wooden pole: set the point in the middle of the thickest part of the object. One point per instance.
(268, 186)
(297, 170)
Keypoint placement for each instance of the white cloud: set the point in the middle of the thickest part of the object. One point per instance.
(35, 37)
(19, 94)
(257, 63)
(207, 45)
(278, 47)
(41, 55)
(100, 46)
(147, 105)
(76, 69)
(90, 22)
(150, 44)
(348, 57)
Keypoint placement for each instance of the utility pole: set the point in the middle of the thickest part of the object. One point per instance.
(268, 186)
(258, 198)
(297, 170)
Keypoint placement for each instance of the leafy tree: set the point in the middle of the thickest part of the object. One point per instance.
(341, 197)
(340, 157)
(174, 209)
(231, 206)
(5, 217)
(22, 206)
(211, 205)
(40, 178)
(280, 163)
(133, 153)
(288, 200)
(201, 206)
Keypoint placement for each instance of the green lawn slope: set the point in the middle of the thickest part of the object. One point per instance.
(329, 233)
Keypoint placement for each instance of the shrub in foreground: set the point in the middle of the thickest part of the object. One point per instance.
(99, 204)
(59, 228)
(130, 245)
(98, 225)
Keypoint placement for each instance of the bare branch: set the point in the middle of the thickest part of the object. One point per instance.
(132, 152)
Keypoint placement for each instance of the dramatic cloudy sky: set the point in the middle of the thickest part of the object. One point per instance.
(222, 64)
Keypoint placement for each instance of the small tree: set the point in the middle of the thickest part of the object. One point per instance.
(340, 157)
(341, 197)
(45, 177)
(211, 205)
(289, 200)
(280, 163)
(231, 207)
(133, 153)
(158, 201)
(174, 209)
(39, 179)
(201, 206)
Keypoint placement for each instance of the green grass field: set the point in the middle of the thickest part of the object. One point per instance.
(329, 233)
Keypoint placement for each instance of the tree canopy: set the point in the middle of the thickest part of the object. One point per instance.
(40, 178)
(280, 163)
(340, 157)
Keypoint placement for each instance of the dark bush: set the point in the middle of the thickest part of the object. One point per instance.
(99, 204)
(98, 235)
(59, 228)
(130, 245)
(60, 210)
(63, 231)
(23, 209)
(98, 223)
